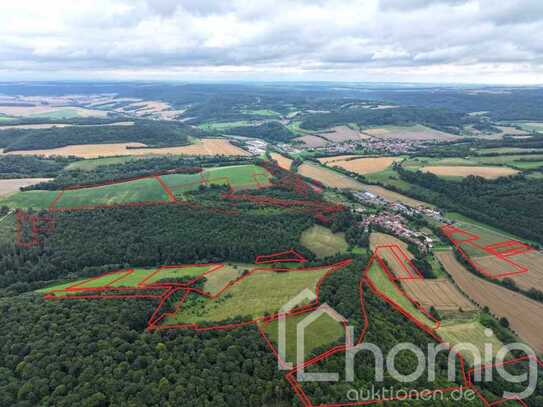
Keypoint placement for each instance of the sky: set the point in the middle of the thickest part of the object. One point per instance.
(434, 41)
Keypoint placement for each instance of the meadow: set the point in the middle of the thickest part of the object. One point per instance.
(322, 242)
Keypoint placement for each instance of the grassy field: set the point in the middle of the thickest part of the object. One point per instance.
(391, 290)
(388, 177)
(263, 292)
(531, 126)
(322, 242)
(262, 112)
(217, 280)
(93, 163)
(58, 114)
(469, 332)
(148, 189)
(221, 126)
(323, 331)
(507, 150)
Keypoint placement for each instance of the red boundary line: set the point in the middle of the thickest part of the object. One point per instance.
(273, 258)
(449, 231)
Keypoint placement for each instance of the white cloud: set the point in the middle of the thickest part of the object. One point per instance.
(468, 40)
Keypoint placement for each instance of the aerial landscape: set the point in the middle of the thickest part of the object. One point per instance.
(354, 217)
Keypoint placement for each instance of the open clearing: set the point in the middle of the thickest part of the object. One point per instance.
(523, 314)
(341, 134)
(464, 171)
(282, 161)
(439, 293)
(93, 163)
(311, 141)
(9, 186)
(367, 165)
(262, 292)
(325, 330)
(419, 133)
(531, 126)
(201, 147)
(322, 242)
(469, 332)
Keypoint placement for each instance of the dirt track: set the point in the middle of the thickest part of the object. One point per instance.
(524, 315)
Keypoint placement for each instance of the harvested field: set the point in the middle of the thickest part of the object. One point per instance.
(439, 293)
(419, 133)
(51, 125)
(8, 186)
(367, 165)
(329, 178)
(327, 160)
(512, 131)
(202, 147)
(533, 278)
(282, 161)
(341, 134)
(397, 259)
(464, 171)
(312, 141)
(382, 239)
(522, 313)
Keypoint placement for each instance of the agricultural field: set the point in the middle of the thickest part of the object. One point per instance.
(367, 165)
(418, 133)
(520, 311)
(322, 242)
(283, 162)
(382, 282)
(9, 186)
(328, 160)
(469, 332)
(342, 134)
(92, 163)
(507, 150)
(262, 292)
(50, 112)
(464, 171)
(142, 190)
(200, 147)
(223, 126)
(438, 293)
(531, 126)
(59, 125)
(325, 330)
(329, 178)
(311, 141)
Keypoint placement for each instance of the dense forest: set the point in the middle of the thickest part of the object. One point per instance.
(151, 133)
(512, 203)
(438, 119)
(18, 166)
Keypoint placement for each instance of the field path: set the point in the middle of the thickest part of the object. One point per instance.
(523, 314)
(7, 215)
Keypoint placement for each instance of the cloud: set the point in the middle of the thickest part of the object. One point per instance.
(275, 39)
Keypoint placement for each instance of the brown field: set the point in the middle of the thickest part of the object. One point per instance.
(439, 293)
(312, 141)
(329, 178)
(513, 131)
(380, 239)
(282, 161)
(51, 125)
(367, 165)
(341, 134)
(419, 133)
(464, 171)
(523, 314)
(533, 261)
(327, 160)
(40, 109)
(8, 186)
(202, 147)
